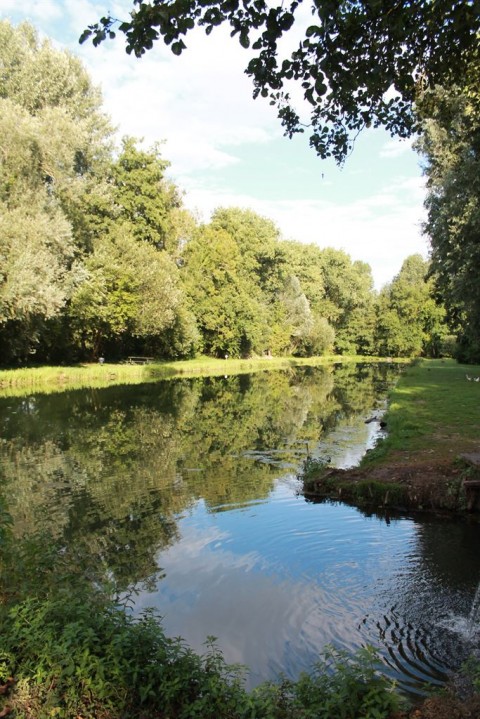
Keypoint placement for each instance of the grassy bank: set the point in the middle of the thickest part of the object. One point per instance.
(433, 418)
(433, 412)
(17, 382)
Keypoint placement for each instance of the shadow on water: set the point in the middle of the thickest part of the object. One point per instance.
(198, 477)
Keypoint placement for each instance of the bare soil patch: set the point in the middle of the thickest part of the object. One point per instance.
(445, 707)
(420, 481)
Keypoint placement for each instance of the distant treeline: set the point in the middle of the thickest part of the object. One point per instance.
(99, 256)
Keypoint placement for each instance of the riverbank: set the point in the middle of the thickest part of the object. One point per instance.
(44, 380)
(429, 454)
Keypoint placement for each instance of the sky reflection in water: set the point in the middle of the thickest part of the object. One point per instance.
(198, 477)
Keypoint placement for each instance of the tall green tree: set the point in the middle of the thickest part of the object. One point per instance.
(81, 230)
(132, 190)
(296, 315)
(258, 240)
(349, 301)
(410, 322)
(450, 146)
(143, 198)
(129, 290)
(358, 63)
(230, 316)
(53, 135)
(134, 303)
(305, 261)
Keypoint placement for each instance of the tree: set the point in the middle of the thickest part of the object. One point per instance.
(320, 339)
(230, 316)
(297, 315)
(130, 289)
(53, 136)
(81, 231)
(306, 263)
(349, 301)
(359, 62)
(258, 240)
(410, 322)
(450, 145)
(132, 191)
(340, 294)
(143, 198)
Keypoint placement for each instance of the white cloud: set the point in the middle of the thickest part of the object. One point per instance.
(33, 10)
(395, 148)
(81, 13)
(189, 100)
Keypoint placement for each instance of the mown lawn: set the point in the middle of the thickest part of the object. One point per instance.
(434, 409)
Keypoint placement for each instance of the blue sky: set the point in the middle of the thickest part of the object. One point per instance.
(227, 149)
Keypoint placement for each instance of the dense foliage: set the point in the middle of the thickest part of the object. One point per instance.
(100, 258)
(450, 145)
(411, 67)
(358, 63)
(410, 322)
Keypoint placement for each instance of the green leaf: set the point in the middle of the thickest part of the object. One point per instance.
(178, 46)
(312, 30)
(320, 87)
(84, 36)
(244, 39)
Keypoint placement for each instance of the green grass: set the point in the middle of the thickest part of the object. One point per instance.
(43, 380)
(433, 411)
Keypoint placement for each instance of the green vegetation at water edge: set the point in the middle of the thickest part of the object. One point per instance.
(69, 649)
(430, 448)
(433, 411)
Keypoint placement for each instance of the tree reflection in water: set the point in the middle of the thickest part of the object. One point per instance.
(107, 472)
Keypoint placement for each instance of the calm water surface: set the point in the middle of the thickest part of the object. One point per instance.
(198, 478)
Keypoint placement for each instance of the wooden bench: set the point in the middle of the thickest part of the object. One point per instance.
(139, 360)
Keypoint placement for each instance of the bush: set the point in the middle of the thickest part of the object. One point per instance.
(313, 468)
(76, 658)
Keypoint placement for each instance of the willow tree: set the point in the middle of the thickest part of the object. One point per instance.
(53, 134)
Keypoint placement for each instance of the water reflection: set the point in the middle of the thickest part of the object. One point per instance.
(198, 477)
(111, 469)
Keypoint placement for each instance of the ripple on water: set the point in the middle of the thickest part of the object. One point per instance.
(274, 577)
(297, 576)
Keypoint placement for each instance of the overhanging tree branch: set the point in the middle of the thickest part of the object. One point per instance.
(360, 63)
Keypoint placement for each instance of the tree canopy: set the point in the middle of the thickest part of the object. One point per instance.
(410, 322)
(358, 62)
(450, 145)
(98, 255)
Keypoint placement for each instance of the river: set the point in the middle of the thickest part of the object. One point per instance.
(186, 494)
